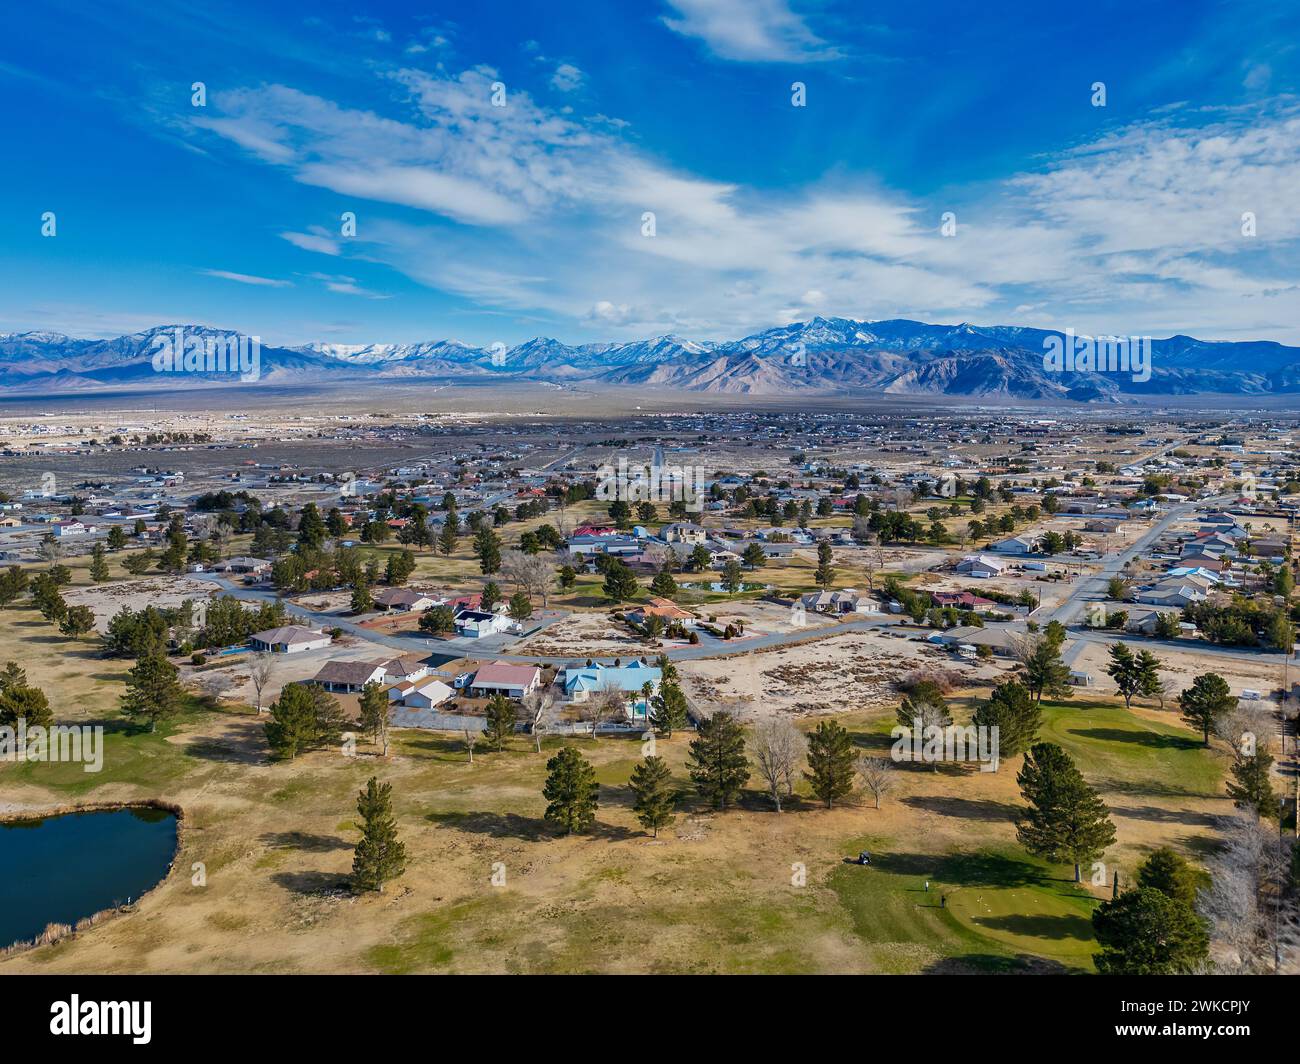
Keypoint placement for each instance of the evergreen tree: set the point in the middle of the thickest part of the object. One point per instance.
(717, 760)
(1253, 788)
(153, 691)
(1208, 699)
(620, 582)
(521, 607)
(380, 855)
(571, 791)
(1125, 670)
(363, 601)
(77, 621)
(568, 576)
(663, 584)
(825, 570)
(438, 620)
(487, 545)
(1066, 820)
(830, 762)
(305, 717)
(1169, 872)
(501, 717)
(450, 534)
(668, 708)
(21, 702)
(1014, 713)
(116, 538)
(98, 564)
(1146, 932)
(311, 529)
(754, 556)
(732, 578)
(653, 797)
(373, 717)
(1044, 673)
(489, 596)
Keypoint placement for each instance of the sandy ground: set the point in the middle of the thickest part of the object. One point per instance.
(165, 591)
(839, 674)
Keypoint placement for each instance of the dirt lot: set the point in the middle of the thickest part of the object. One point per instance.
(839, 674)
(164, 591)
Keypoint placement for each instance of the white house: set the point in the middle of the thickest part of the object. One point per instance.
(475, 624)
(981, 566)
(419, 694)
(289, 639)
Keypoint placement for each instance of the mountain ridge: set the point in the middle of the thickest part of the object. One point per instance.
(827, 356)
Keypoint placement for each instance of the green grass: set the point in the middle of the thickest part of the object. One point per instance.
(1116, 750)
(1002, 908)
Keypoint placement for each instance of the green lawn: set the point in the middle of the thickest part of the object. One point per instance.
(1003, 908)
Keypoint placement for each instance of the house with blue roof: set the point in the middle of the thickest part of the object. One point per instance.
(581, 682)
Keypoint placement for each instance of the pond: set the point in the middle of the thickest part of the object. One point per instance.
(65, 867)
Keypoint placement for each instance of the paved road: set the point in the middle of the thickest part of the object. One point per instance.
(1093, 588)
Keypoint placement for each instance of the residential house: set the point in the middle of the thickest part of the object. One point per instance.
(980, 566)
(501, 677)
(665, 609)
(580, 682)
(403, 600)
(289, 639)
(475, 624)
(348, 677)
(419, 694)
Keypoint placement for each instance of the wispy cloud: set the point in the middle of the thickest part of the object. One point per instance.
(248, 278)
(748, 30)
(533, 210)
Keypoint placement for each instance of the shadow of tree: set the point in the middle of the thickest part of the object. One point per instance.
(965, 808)
(1039, 925)
(305, 841)
(1141, 738)
(1165, 816)
(310, 883)
(495, 825)
(984, 963)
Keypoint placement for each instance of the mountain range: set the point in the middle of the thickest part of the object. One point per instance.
(824, 356)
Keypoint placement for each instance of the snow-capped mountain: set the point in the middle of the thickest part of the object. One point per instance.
(821, 356)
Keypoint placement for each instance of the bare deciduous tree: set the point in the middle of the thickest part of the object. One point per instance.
(260, 672)
(539, 704)
(471, 740)
(878, 774)
(778, 748)
(609, 703)
(532, 574)
(1253, 922)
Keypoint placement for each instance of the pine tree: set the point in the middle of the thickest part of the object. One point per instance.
(1014, 713)
(1066, 820)
(1125, 671)
(717, 760)
(153, 691)
(303, 718)
(501, 717)
(571, 791)
(825, 570)
(830, 762)
(362, 599)
(1170, 873)
(1044, 673)
(379, 856)
(1208, 699)
(754, 556)
(450, 534)
(20, 702)
(487, 545)
(1253, 788)
(98, 564)
(653, 795)
(311, 528)
(663, 584)
(668, 708)
(1146, 932)
(373, 717)
(620, 582)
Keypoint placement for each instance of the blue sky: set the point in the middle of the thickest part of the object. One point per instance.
(489, 223)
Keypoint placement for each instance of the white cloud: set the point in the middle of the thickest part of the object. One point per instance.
(529, 210)
(248, 278)
(750, 30)
(567, 78)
